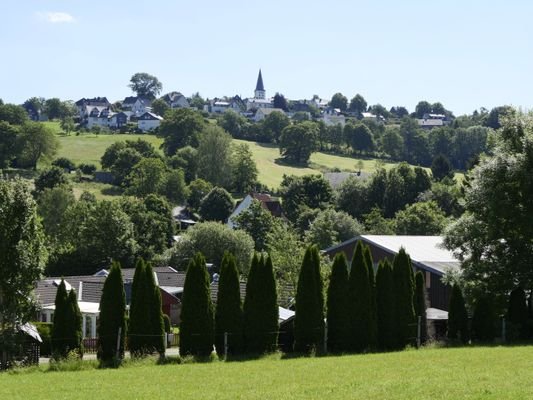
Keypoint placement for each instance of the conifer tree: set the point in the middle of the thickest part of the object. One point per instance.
(260, 307)
(360, 303)
(74, 324)
(60, 331)
(139, 311)
(309, 318)
(420, 304)
(385, 304)
(484, 320)
(229, 314)
(457, 316)
(338, 317)
(404, 292)
(517, 315)
(155, 338)
(372, 283)
(197, 317)
(112, 316)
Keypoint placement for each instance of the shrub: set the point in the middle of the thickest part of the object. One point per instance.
(404, 291)
(338, 304)
(64, 163)
(484, 320)
(457, 316)
(517, 315)
(87, 169)
(385, 304)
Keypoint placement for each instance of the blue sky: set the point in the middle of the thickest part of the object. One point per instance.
(465, 54)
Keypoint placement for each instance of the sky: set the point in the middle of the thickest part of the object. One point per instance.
(465, 54)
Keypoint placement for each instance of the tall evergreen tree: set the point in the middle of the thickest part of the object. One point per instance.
(197, 320)
(484, 320)
(74, 323)
(404, 291)
(517, 315)
(457, 316)
(229, 314)
(385, 304)
(260, 307)
(360, 303)
(338, 304)
(372, 283)
(420, 303)
(60, 331)
(309, 318)
(139, 312)
(156, 325)
(112, 316)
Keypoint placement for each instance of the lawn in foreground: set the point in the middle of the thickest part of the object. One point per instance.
(475, 373)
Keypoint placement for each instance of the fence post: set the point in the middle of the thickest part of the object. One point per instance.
(118, 342)
(326, 337)
(418, 332)
(504, 330)
(225, 345)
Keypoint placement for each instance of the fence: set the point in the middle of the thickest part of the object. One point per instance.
(90, 345)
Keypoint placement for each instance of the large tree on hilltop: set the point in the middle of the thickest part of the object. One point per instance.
(145, 85)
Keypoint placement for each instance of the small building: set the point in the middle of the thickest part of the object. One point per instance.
(176, 100)
(333, 116)
(262, 113)
(118, 120)
(149, 121)
(427, 255)
(268, 203)
(85, 105)
(137, 105)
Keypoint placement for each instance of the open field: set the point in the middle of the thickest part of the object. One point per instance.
(461, 373)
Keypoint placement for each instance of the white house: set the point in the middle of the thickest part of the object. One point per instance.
(333, 116)
(262, 113)
(149, 121)
(137, 105)
(99, 116)
(176, 100)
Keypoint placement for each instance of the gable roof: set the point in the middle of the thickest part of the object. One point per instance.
(150, 116)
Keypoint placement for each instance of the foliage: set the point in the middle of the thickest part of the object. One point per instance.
(458, 316)
(261, 308)
(180, 128)
(197, 320)
(23, 257)
(36, 142)
(484, 320)
(186, 159)
(273, 125)
(217, 205)
(373, 306)
(297, 142)
(160, 107)
(233, 123)
(360, 310)
(280, 101)
(403, 297)
(50, 178)
(243, 168)
(64, 163)
(145, 85)
(338, 100)
(309, 317)
(229, 314)
(174, 187)
(52, 205)
(60, 330)
(214, 156)
(13, 114)
(146, 177)
(112, 316)
(257, 222)
(385, 307)
(517, 315)
(490, 237)
(423, 218)
(331, 227)
(358, 105)
(420, 304)
(338, 318)
(8, 143)
(376, 224)
(359, 137)
(308, 191)
(198, 189)
(212, 239)
(441, 168)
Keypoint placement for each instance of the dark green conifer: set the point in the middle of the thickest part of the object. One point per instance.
(112, 316)
(484, 320)
(197, 317)
(60, 330)
(404, 292)
(385, 304)
(517, 315)
(338, 318)
(372, 283)
(229, 314)
(457, 316)
(420, 304)
(360, 301)
(155, 339)
(74, 323)
(309, 318)
(139, 310)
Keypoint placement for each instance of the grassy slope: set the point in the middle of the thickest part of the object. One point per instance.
(478, 373)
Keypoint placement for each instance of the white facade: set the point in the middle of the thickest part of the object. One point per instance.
(243, 205)
(332, 119)
(149, 121)
(262, 113)
(89, 311)
(256, 104)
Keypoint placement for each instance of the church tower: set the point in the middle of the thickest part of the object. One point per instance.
(259, 88)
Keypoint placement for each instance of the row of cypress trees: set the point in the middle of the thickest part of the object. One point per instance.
(67, 332)
(251, 327)
(145, 331)
(364, 311)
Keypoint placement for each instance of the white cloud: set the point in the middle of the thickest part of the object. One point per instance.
(56, 17)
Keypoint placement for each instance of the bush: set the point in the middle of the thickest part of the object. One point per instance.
(87, 169)
(217, 205)
(166, 321)
(458, 316)
(337, 317)
(484, 320)
(64, 163)
(45, 331)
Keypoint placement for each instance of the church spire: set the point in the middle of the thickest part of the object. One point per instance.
(259, 87)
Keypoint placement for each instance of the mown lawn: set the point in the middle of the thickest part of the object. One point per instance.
(475, 373)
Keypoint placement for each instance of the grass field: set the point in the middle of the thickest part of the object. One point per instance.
(475, 373)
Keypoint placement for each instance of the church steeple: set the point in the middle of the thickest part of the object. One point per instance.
(259, 87)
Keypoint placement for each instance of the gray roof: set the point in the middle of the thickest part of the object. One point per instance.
(336, 179)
